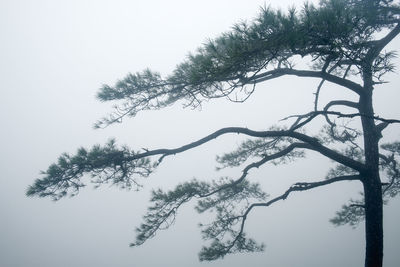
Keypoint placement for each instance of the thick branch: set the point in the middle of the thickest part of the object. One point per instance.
(313, 143)
(307, 73)
(380, 44)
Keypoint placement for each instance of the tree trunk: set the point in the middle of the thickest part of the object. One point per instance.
(372, 183)
(373, 221)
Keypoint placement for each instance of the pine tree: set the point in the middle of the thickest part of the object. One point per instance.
(341, 41)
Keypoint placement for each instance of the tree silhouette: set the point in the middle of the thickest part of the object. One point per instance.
(341, 42)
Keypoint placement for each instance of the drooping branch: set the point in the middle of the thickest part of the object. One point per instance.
(104, 164)
(110, 163)
(165, 206)
(223, 195)
(313, 143)
(162, 213)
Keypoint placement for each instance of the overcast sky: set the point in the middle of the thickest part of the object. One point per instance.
(54, 55)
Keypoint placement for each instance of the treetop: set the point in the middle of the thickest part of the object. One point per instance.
(336, 37)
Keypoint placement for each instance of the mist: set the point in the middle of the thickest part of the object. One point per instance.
(54, 57)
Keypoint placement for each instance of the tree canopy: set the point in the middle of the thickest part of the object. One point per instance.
(335, 37)
(341, 42)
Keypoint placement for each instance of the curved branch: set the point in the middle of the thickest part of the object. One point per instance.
(306, 186)
(346, 103)
(268, 75)
(338, 103)
(259, 163)
(313, 143)
(116, 165)
(293, 188)
(146, 231)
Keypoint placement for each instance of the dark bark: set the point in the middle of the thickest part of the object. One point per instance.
(373, 221)
(371, 181)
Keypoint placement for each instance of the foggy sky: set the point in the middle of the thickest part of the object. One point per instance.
(54, 55)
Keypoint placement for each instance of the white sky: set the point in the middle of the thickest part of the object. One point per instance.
(54, 55)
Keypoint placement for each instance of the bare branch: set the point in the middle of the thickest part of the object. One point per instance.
(317, 94)
(338, 103)
(311, 115)
(341, 103)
